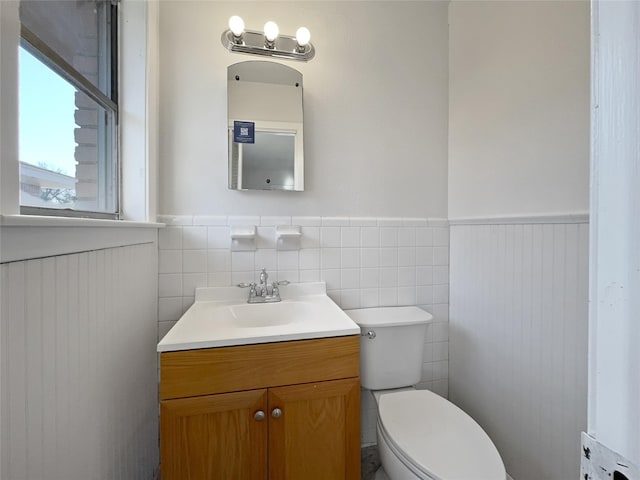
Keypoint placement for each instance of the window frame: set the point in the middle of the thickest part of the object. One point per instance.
(51, 59)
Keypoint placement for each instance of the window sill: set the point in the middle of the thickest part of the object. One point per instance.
(46, 221)
(26, 237)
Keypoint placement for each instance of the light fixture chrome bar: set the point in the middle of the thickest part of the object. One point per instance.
(253, 42)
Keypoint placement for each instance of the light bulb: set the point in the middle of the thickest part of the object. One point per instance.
(303, 35)
(236, 25)
(271, 31)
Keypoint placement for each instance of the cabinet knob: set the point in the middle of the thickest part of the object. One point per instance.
(276, 413)
(259, 415)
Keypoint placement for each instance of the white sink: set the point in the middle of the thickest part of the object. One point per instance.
(260, 315)
(221, 317)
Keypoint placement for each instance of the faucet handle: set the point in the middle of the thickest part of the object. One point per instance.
(282, 282)
(246, 285)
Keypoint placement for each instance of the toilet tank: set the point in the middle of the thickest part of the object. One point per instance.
(391, 345)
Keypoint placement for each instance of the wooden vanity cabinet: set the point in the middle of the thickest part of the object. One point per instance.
(285, 411)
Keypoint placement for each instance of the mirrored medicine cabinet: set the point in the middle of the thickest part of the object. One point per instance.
(265, 127)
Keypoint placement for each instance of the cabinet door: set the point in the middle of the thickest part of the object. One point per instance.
(214, 437)
(317, 434)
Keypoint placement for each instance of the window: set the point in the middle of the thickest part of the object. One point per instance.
(68, 108)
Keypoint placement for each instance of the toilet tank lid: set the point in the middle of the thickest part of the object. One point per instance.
(389, 316)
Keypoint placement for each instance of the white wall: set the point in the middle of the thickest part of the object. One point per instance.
(614, 383)
(519, 149)
(375, 114)
(519, 108)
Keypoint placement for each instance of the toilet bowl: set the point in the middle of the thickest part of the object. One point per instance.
(424, 436)
(421, 436)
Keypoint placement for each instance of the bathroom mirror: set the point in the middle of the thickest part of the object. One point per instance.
(264, 120)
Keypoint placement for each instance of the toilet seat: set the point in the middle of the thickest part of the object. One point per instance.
(435, 439)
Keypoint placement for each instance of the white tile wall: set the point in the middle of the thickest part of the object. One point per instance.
(366, 262)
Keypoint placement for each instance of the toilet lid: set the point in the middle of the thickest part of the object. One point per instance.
(437, 438)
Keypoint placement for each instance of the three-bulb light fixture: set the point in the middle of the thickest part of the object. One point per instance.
(268, 43)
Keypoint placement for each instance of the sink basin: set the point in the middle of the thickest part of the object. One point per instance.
(258, 315)
(221, 317)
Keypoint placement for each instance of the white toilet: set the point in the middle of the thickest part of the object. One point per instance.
(420, 434)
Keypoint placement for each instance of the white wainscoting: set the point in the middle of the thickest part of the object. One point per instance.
(79, 367)
(518, 340)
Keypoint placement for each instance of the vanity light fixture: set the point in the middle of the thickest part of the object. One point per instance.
(268, 43)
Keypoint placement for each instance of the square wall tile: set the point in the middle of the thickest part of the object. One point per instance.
(169, 308)
(194, 261)
(194, 238)
(441, 236)
(369, 278)
(388, 277)
(424, 237)
(441, 294)
(350, 258)
(331, 277)
(310, 275)
(170, 261)
(441, 312)
(406, 256)
(388, 297)
(440, 275)
(310, 237)
(289, 260)
(310, 259)
(406, 295)
(350, 237)
(330, 258)
(242, 261)
(370, 237)
(407, 237)
(170, 285)
(388, 237)
(369, 257)
(219, 260)
(170, 238)
(369, 298)
(219, 237)
(406, 276)
(441, 255)
(219, 279)
(350, 278)
(389, 257)
(266, 237)
(191, 281)
(424, 275)
(350, 299)
(265, 258)
(424, 256)
(329, 237)
(424, 295)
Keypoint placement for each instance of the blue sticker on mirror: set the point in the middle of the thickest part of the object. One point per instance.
(244, 132)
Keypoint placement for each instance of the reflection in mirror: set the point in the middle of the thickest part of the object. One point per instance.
(265, 127)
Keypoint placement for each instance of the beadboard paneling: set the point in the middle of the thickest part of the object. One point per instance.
(518, 341)
(79, 366)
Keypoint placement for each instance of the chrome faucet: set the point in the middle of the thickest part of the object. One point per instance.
(263, 292)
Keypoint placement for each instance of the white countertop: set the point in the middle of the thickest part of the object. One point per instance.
(221, 317)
